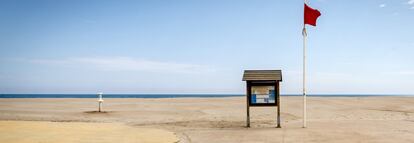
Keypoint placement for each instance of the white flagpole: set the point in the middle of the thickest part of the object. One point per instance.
(304, 34)
(304, 76)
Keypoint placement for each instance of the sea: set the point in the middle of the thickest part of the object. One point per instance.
(174, 95)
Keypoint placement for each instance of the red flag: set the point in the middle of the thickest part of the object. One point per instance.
(311, 15)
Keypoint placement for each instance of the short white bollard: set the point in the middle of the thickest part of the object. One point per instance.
(100, 101)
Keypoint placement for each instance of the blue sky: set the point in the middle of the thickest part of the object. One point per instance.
(203, 46)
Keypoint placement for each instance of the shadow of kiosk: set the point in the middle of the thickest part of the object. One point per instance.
(262, 90)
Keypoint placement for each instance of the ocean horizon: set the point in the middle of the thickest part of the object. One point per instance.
(177, 95)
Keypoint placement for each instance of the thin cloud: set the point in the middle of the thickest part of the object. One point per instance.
(411, 3)
(382, 5)
(127, 64)
(405, 73)
(400, 73)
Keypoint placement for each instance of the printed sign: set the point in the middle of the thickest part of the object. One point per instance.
(262, 94)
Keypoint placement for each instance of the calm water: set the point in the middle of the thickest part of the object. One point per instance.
(168, 95)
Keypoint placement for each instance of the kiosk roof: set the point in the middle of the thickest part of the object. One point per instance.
(256, 75)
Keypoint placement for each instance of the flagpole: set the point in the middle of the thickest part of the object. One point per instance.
(304, 34)
(304, 76)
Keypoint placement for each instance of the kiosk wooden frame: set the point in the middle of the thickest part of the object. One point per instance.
(262, 78)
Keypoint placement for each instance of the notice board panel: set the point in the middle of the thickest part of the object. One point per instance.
(262, 95)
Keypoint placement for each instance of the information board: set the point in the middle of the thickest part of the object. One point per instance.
(262, 95)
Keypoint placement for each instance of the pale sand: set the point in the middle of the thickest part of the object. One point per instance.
(330, 119)
(65, 132)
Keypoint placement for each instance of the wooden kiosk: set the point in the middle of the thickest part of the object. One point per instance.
(262, 90)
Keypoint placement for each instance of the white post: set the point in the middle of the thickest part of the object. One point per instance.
(100, 101)
(304, 34)
(304, 76)
(100, 107)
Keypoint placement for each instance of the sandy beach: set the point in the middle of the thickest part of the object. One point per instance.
(200, 120)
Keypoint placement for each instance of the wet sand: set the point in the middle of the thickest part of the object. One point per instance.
(330, 119)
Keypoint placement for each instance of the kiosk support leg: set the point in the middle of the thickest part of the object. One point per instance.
(247, 105)
(278, 117)
(278, 105)
(248, 117)
(248, 113)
